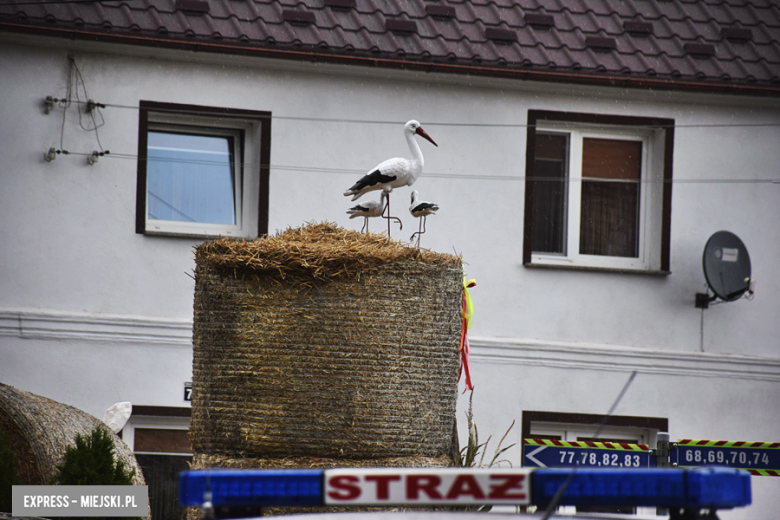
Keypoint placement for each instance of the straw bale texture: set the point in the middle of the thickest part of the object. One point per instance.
(7, 516)
(317, 251)
(203, 461)
(322, 342)
(41, 429)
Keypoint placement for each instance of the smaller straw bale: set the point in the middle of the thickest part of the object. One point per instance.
(41, 429)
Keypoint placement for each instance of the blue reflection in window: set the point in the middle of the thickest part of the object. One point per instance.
(190, 178)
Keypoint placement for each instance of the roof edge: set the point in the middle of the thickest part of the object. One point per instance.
(506, 72)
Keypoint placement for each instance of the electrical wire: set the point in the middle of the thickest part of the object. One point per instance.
(65, 112)
(72, 90)
(553, 505)
(211, 114)
(459, 176)
(95, 108)
(76, 81)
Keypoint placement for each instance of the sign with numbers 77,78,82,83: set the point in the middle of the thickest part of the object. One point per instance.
(759, 458)
(553, 453)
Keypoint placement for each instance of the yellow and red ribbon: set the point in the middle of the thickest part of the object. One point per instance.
(468, 312)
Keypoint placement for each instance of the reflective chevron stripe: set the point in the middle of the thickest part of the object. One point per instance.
(586, 444)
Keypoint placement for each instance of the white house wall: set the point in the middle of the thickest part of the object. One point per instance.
(92, 313)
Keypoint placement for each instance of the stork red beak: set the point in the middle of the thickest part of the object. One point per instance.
(421, 132)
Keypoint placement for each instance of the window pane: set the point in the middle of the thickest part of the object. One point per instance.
(190, 178)
(609, 439)
(549, 193)
(611, 171)
(166, 441)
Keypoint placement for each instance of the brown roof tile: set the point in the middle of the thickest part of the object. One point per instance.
(602, 44)
(440, 11)
(400, 26)
(539, 20)
(638, 28)
(340, 4)
(736, 34)
(655, 43)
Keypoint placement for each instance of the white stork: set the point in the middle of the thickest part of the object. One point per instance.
(396, 172)
(372, 208)
(421, 209)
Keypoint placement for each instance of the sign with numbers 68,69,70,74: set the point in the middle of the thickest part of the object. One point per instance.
(759, 458)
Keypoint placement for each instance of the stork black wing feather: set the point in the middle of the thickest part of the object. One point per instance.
(371, 179)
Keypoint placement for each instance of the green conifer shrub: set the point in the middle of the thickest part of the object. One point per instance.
(91, 462)
(9, 471)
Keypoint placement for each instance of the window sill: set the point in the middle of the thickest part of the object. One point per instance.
(613, 270)
(195, 236)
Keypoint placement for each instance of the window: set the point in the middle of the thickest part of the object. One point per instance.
(598, 192)
(202, 171)
(583, 427)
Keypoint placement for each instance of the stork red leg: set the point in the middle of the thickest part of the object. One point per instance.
(420, 230)
(388, 213)
(388, 217)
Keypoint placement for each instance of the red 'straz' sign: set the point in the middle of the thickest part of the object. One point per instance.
(387, 486)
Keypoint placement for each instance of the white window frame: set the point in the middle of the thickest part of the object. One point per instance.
(649, 200)
(146, 422)
(217, 128)
(573, 431)
(247, 157)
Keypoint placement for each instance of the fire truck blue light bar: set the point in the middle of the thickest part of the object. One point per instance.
(717, 488)
(713, 488)
(262, 488)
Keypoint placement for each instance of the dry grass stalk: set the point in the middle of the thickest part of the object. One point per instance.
(317, 251)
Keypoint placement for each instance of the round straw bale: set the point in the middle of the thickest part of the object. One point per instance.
(41, 429)
(325, 342)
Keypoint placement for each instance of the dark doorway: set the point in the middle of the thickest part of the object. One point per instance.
(162, 476)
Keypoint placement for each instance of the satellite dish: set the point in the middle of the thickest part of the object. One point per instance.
(726, 265)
